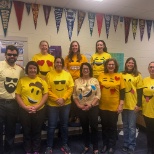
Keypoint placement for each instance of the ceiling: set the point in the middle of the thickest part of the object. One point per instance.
(141, 9)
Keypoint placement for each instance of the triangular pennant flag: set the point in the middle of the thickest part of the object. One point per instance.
(81, 17)
(28, 7)
(99, 18)
(70, 18)
(149, 25)
(142, 26)
(134, 27)
(91, 18)
(46, 10)
(19, 8)
(127, 21)
(5, 10)
(107, 24)
(115, 22)
(35, 10)
(58, 15)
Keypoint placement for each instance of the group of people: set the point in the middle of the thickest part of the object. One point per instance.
(64, 88)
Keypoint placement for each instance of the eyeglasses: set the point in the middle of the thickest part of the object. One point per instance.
(11, 54)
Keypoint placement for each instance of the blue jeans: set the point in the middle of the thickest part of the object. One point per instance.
(129, 128)
(55, 114)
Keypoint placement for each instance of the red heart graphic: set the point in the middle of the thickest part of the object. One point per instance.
(49, 63)
(112, 91)
(40, 62)
(117, 78)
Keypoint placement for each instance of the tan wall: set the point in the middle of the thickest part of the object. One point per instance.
(142, 51)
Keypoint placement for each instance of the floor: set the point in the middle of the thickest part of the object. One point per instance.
(76, 144)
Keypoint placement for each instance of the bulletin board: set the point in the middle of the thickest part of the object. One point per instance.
(20, 43)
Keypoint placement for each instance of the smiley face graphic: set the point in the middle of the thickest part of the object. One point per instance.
(129, 89)
(149, 93)
(36, 89)
(99, 61)
(60, 85)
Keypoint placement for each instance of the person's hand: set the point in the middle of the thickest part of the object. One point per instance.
(87, 107)
(136, 109)
(120, 108)
(60, 101)
(30, 109)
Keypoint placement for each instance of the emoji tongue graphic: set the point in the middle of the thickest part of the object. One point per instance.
(147, 99)
(132, 91)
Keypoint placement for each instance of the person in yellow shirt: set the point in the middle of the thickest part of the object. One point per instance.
(44, 59)
(133, 100)
(72, 64)
(61, 85)
(98, 59)
(31, 95)
(148, 107)
(111, 103)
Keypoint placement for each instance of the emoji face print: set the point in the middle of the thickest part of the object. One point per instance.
(44, 66)
(129, 88)
(60, 85)
(35, 92)
(148, 93)
(10, 84)
(98, 61)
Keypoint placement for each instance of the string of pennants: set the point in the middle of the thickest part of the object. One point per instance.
(70, 14)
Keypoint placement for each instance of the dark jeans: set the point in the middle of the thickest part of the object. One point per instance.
(8, 119)
(32, 127)
(56, 114)
(150, 133)
(73, 110)
(90, 118)
(109, 127)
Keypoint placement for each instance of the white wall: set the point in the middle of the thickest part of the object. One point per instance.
(141, 51)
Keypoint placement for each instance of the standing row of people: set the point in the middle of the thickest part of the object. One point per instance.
(118, 91)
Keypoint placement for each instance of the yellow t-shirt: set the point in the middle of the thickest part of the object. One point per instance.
(110, 85)
(132, 83)
(97, 61)
(74, 66)
(86, 90)
(9, 77)
(31, 90)
(45, 63)
(148, 97)
(60, 86)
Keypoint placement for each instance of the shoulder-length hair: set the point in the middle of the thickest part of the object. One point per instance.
(134, 71)
(90, 69)
(34, 64)
(115, 62)
(105, 48)
(62, 61)
(70, 54)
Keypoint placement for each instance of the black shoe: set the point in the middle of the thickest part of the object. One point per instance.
(104, 149)
(124, 149)
(111, 151)
(85, 150)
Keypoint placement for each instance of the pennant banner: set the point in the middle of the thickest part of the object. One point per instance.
(35, 10)
(81, 17)
(58, 15)
(149, 25)
(19, 8)
(134, 27)
(107, 24)
(115, 22)
(99, 18)
(28, 7)
(91, 18)
(5, 10)
(142, 26)
(46, 10)
(70, 18)
(127, 21)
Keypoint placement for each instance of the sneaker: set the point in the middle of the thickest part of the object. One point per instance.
(66, 149)
(124, 149)
(48, 150)
(130, 151)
